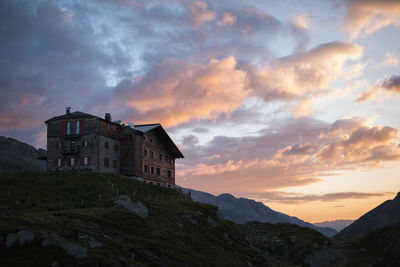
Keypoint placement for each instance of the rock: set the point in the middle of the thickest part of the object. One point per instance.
(24, 236)
(10, 239)
(73, 250)
(136, 208)
(190, 219)
(211, 222)
(89, 240)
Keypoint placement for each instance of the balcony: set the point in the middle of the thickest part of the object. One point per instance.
(72, 136)
(71, 149)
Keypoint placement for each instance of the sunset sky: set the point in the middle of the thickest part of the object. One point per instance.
(292, 103)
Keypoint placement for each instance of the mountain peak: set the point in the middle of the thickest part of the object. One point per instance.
(397, 196)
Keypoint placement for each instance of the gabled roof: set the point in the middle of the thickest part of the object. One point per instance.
(73, 115)
(144, 128)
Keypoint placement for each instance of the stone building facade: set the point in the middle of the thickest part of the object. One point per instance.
(81, 141)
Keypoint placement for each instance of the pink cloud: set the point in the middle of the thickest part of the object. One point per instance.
(178, 90)
(295, 154)
(365, 17)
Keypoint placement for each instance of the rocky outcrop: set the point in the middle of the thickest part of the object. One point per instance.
(136, 208)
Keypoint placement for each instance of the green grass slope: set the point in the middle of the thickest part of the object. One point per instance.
(71, 220)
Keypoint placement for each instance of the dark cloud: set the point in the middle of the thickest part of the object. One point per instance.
(392, 83)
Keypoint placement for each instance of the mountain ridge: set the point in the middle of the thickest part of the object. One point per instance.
(385, 214)
(244, 210)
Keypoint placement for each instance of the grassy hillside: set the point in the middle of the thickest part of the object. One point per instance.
(72, 219)
(77, 219)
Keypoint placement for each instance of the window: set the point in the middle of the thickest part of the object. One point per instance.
(152, 154)
(77, 127)
(72, 161)
(68, 128)
(169, 174)
(106, 145)
(116, 147)
(115, 163)
(85, 161)
(152, 170)
(106, 162)
(85, 143)
(126, 153)
(146, 168)
(145, 152)
(59, 162)
(166, 158)
(160, 157)
(158, 171)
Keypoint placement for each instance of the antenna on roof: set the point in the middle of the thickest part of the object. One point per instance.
(68, 110)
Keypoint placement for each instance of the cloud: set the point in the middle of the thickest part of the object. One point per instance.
(176, 91)
(364, 17)
(392, 83)
(299, 27)
(296, 75)
(296, 153)
(295, 198)
(388, 85)
(389, 60)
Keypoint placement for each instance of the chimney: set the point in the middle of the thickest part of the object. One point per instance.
(68, 110)
(108, 117)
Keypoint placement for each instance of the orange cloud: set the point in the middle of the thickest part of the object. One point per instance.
(293, 76)
(365, 17)
(291, 156)
(199, 14)
(178, 90)
(388, 85)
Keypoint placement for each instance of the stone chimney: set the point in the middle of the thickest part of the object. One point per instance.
(68, 110)
(107, 117)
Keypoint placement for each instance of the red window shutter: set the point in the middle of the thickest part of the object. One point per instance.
(82, 161)
(81, 126)
(64, 127)
(69, 161)
(114, 164)
(82, 143)
(55, 162)
(88, 160)
(62, 162)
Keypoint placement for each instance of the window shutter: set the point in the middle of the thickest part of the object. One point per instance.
(64, 127)
(88, 160)
(82, 143)
(55, 162)
(81, 126)
(62, 162)
(69, 161)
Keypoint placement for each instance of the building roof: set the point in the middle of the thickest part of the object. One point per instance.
(73, 115)
(144, 128)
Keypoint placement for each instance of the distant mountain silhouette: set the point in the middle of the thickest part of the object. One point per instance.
(243, 210)
(387, 213)
(338, 225)
(17, 156)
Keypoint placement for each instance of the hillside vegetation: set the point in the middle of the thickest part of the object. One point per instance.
(98, 219)
(72, 219)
